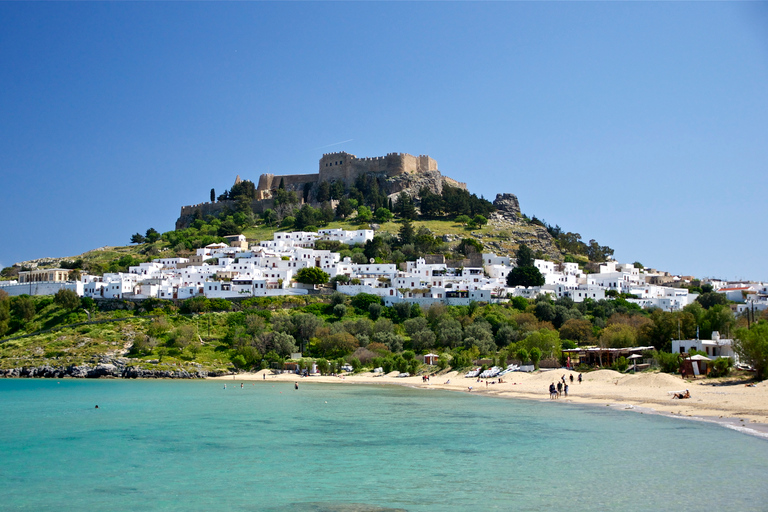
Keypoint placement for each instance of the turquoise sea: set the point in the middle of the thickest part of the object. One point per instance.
(193, 445)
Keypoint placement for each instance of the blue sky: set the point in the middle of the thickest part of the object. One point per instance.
(641, 125)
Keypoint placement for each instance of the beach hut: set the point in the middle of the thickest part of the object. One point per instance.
(699, 364)
(431, 358)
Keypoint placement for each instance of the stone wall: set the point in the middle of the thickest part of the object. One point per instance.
(296, 182)
(188, 213)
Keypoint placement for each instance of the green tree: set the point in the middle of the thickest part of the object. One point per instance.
(597, 252)
(406, 233)
(463, 220)
(323, 192)
(5, 312)
(520, 303)
(524, 256)
(364, 214)
(618, 336)
(479, 220)
(546, 341)
(137, 238)
(213, 195)
(344, 208)
(152, 235)
(405, 207)
(469, 246)
(535, 355)
(709, 299)
(337, 190)
(383, 214)
(752, 346)
(431, 204)
(525, 276)
(67, 299)
(312, 275)
(361, 301)
(24, 308)
(576, 329)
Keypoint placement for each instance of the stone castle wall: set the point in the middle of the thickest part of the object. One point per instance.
(346, 168)
(188, 213)
(403, 172)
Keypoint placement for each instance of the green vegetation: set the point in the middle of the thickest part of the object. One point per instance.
(220, 335)
(752, 347)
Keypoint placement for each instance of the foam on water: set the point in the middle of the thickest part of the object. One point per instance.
(167, 445)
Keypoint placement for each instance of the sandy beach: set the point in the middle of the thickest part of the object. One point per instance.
(733, 405)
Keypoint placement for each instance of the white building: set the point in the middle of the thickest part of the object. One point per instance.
(716, 347)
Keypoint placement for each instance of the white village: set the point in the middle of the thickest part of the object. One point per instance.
(270, 268)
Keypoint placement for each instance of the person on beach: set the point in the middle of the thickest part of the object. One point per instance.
(579, 378)
(552, 391)
(565, 389)
(470, 389)
(559, 388)
(571, 377)
(295, 385)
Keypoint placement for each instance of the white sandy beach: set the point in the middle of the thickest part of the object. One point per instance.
(733, 404)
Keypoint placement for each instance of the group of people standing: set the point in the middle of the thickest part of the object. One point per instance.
(561, 388)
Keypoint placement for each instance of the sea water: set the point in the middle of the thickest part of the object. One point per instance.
(194, 445)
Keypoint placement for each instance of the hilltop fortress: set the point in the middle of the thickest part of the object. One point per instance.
(395, 173)
(346, 168)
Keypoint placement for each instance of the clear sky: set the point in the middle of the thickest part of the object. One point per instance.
(641, 125)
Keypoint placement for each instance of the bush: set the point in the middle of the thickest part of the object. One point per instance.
(535, 355)
(67, 299)
(668, 363)
(339, 310)
(362, 301)
(622, 364)
(220, 305)
(461, 360)
(721, 367)
(374, 311)
(519, 303)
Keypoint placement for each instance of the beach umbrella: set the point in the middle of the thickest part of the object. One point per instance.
(634, 358)
(699, 357)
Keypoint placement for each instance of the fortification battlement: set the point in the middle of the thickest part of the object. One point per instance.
(346, 167)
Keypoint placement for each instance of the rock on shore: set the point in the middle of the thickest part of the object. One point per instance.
(102, 370)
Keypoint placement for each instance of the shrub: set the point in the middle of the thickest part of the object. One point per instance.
(339, 310)
(374, 311)
(67, 299)
(362, 301)
(535, 356)
(721, 367)
(668, 363)
(622, 364)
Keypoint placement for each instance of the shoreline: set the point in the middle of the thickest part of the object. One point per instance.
(733, 406)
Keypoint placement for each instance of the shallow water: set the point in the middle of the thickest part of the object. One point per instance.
(193, 445)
